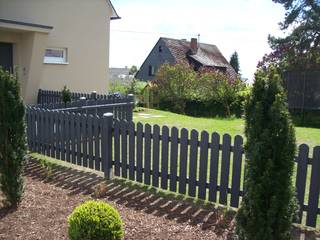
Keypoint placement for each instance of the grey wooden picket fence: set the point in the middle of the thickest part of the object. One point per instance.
(122, 108)
(49, 96)
(207, 166)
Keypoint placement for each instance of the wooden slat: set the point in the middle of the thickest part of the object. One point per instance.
(164, 157)
(62, 135)
(116, 147)
(314, 189)
(173, 159)
(97, 143)
(193, 163)
(84, 132)
(183, 160)
(57, 135)
(155, 155)
(214, 166)
(302, 167)
(78, 138)
(73, 138)
(139, 151)
(124, 149)
(147, 154)
(68, 136)
(203, 165)
(236, 171)
(90, 141)
(225, 169)
(132, 146)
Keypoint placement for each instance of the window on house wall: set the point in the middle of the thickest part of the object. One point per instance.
(55, 55)
(151, 70)
(160, 48)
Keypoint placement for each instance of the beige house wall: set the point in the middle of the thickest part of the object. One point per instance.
(80, 26)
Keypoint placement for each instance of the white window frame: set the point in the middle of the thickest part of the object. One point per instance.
(56, 60)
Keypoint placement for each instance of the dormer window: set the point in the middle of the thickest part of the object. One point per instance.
(160, 49)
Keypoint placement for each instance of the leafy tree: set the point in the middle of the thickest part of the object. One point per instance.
(176, 84)
(269, 205)
(12, 138)
(234, 62)
(299, 50)
(133, 70)
(215, 86)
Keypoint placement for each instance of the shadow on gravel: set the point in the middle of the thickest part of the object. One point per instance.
(142, 198)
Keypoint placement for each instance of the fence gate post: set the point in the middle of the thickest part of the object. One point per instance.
(130, 109)
(106, 145)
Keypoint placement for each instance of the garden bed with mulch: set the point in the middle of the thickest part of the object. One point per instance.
(49, 199)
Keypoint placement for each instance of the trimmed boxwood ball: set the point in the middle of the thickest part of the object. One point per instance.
(95, 220)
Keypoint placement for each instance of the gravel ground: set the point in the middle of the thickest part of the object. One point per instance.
(49, 198)
(48, 201)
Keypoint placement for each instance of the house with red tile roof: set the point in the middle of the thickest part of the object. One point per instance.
(175, 51)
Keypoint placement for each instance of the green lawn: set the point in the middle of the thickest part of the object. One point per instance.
(310, 136)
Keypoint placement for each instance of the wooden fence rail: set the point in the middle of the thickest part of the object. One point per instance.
(207, 166)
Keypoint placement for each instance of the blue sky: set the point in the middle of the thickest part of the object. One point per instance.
(241, 25)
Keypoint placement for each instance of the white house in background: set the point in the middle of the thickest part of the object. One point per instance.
(55, 43)
(120, 74)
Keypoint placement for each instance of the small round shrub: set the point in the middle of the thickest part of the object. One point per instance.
(95, 220)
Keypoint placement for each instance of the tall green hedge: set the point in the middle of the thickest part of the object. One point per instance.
(269, 205)
(12, 138)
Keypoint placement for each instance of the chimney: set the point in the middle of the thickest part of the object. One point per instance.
(194, 45)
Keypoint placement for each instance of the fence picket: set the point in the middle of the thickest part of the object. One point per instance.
(302, 162)
(225, 167)
(155, 156)
(97, 143)
(131, 150)
(90, 140)
(139, 151)
(124, 149)
(193, 163)
(214, 166)
(73, 137)
(68, 136)
(78, 138)
(236, 171)
(203, 165)
(57, 135)
(117, 147)
(84, 144)
(164, 157)
(173, 159)
(314, 189)
(62, 136)
(183, 160)
(147, 154)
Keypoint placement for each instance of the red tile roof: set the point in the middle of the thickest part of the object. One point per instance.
(207, 55)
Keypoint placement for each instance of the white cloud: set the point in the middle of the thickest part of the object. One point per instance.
(241, 25)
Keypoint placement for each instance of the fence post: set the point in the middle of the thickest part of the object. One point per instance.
(130, 109)
(93, 95)
(106, 145)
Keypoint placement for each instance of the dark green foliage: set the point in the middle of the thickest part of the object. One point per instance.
(12, 138)
(95, 220)
(234, 62)
(269, 204)
(66, 95)
(300, 49)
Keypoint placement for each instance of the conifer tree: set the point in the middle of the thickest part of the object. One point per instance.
(269, 205)
(12, 138)
(234, 62)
